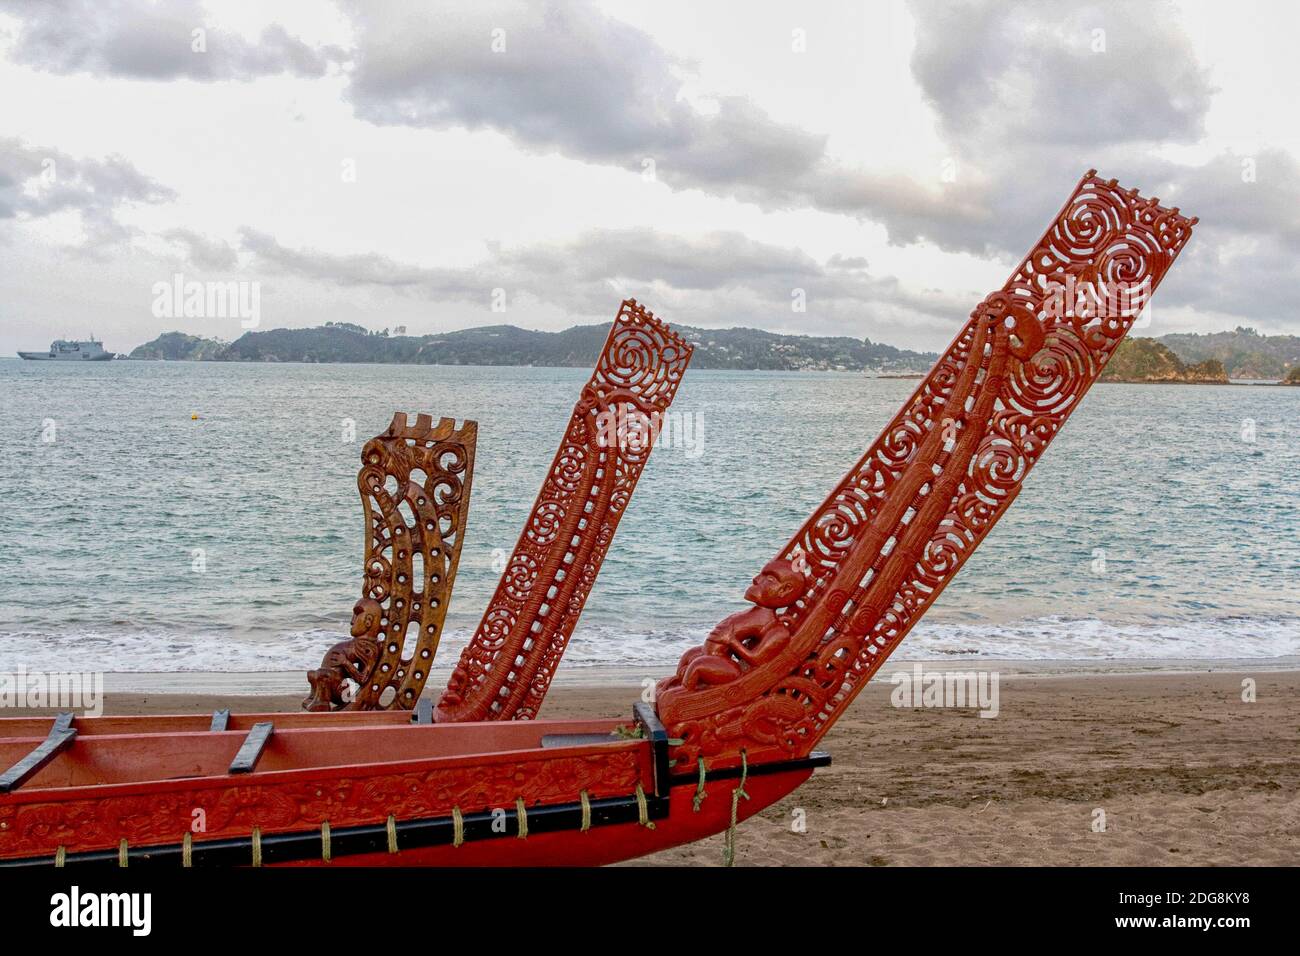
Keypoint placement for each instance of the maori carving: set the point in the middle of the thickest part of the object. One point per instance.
(902, 522)
(352, 659)
(747, 638)
(415, 485)
(296, 800)
(507, 667)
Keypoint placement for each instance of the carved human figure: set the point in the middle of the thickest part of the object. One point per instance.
(354, 658)
(456, 686)
(747, 638)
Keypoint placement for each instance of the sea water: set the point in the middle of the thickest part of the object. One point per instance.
(205, 516)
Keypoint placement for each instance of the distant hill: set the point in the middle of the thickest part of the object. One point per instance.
(177, 346)
(509, 345)
(1244, 352)
(1150, 360)
(1185, 357)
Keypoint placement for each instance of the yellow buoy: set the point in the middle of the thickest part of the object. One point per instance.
(194, 418)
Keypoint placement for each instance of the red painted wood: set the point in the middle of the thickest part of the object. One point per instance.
(606, 844)
(771, 680)
(506, 669)
(146, 788)
(38, 727)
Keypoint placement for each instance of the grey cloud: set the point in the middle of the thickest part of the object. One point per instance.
(1259, 282)
(1024, 102)
(204, 251)
(137, 39)
(1255, 194)
(570, 79)
(37, 182)
(1001, 76)
(718, 278)
(1245, 258)
(361, 270)
(574, 81)
(1022, 99)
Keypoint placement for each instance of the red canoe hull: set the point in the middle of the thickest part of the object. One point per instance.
(162, 791)
(610, 844)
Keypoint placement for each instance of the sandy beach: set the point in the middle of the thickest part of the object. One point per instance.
(1185, 771)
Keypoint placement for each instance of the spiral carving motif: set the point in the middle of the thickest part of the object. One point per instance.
(903, 521)
(506, 669)
(1050, 382)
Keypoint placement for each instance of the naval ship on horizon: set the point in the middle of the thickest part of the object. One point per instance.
(62, 350)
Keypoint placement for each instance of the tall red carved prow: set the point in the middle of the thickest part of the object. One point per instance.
(902, 522)
(507, 668)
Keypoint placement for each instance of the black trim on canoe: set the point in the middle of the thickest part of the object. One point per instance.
(372, 838)
(818, 758)
(411, 834)
(645, 715)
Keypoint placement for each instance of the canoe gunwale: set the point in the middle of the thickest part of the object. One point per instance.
(305, 845)
(415, 764)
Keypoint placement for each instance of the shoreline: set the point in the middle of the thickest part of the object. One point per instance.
(863, 372)
(279, 683)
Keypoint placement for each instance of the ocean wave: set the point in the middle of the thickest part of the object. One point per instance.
(1038, 639)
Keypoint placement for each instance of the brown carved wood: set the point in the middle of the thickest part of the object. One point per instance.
(902, 522)
(415, 488)
(507, 667)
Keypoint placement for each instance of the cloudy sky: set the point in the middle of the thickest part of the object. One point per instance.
(394, 163)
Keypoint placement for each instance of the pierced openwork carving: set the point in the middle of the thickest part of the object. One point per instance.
(415, 486)
(902, 522)
(507, 668)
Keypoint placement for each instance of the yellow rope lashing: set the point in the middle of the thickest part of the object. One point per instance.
(729, 846)
(392, 833)
(643, 811)
(586, 811)
(60, 855)
(187, 850)
(257, 846)
(457, 827)
(326, 853)
(121, 853)
(522, 813)
(700, 792)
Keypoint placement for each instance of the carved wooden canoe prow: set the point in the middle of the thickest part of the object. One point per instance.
(415, 487)
(507, 667)
(902, 522)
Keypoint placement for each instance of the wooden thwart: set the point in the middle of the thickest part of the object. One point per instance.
(61, 735)
(250, 751)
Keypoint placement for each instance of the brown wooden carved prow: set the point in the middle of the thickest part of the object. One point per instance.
(414, 484)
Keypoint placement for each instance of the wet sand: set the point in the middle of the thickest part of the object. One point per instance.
(1184, 770)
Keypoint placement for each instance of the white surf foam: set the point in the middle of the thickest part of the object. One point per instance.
(1040, 639)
